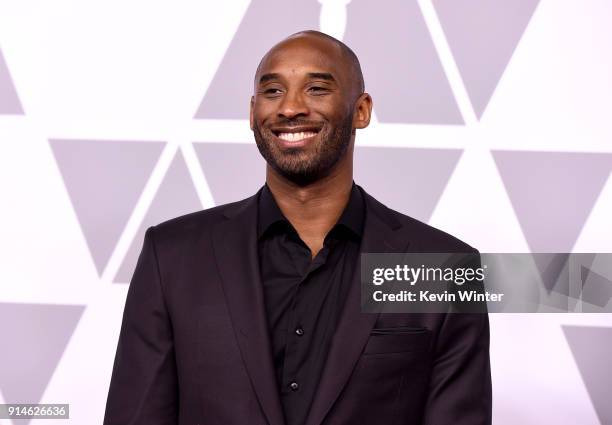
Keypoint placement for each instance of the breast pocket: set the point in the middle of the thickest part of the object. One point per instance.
(397, 340)
(389, 382)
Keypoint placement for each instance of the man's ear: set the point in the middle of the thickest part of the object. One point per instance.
(251, 112)
(363, 111)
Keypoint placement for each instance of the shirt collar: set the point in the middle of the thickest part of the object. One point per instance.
(351, 218)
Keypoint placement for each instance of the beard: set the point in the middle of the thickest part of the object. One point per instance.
(305, 166)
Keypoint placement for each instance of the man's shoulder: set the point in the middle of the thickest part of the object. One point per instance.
(424, 237)
(432, 239)
(195, 223)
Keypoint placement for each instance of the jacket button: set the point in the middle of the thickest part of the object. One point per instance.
(299, 331)
(294, 386)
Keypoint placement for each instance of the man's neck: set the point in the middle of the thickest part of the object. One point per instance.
(313, 209)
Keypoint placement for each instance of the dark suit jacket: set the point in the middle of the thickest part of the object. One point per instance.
(194, 347)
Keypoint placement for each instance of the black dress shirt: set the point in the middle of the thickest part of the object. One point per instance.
(304, 296)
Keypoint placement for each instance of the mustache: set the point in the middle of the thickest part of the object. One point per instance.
(295, 123)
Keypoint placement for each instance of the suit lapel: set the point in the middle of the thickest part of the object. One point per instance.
(235, 250)
(382, 233)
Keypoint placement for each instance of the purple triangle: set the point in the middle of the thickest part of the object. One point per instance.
(264, 24)
(34, 339)
(176, 196)
(104, 179)
(552, 193)
(596, 290)
(592, 351)
(220, 161)
(401, 67)
(483, 35)
(408, 180)
(551, 266)
(9, 101)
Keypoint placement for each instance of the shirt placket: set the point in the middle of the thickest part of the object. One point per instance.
(298, 325)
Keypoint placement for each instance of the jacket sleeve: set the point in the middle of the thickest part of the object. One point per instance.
(460, 385)
(143, 387)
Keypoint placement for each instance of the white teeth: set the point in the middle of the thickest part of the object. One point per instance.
(294, 137)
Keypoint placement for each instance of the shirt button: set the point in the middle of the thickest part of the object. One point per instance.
(299, 331)
(294, 386)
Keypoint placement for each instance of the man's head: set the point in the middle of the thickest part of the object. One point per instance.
(308, 100)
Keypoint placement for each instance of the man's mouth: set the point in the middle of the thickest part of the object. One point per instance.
(294, 137)
(295, 134)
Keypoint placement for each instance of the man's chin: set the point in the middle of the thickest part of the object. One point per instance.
(298, 176)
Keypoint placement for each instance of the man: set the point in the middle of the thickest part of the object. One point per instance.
(249, 313)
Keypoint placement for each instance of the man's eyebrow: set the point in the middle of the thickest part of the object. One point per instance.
(268, 77)
(316, 75)
(322, 76)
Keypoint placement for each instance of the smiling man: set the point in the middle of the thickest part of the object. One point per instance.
(249, 312)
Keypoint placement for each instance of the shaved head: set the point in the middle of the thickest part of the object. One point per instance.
(347, 55)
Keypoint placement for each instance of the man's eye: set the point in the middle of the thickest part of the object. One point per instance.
(318, 91)
(272, 91)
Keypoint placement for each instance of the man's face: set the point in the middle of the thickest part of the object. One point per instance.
(302, 109)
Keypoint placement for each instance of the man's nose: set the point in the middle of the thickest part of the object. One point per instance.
(293, 105)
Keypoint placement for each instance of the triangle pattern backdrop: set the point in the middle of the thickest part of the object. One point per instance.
(552, 193)
(104, 179)
(176, 196)
(9, 102)
(483, 35)
(233, 171)
(409, 180)
(230, 90)
(592, 351)
(34, 339)
(409, 86)
(596, 277)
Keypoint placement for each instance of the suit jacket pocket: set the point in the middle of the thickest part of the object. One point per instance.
(395, 330)
(397, 340)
